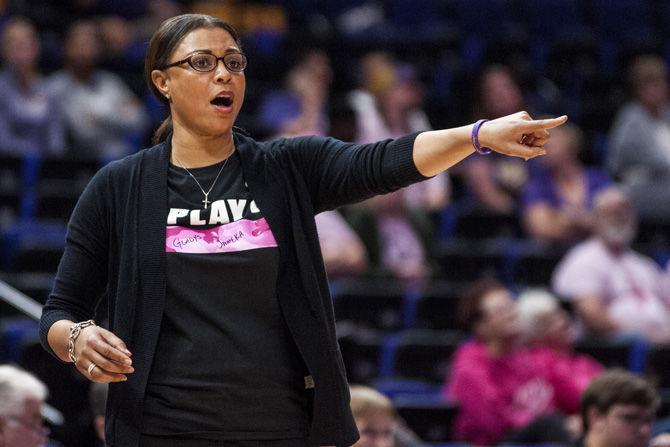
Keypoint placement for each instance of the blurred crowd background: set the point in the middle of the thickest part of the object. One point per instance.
(561, 262)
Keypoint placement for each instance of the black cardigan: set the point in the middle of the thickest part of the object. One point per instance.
(116, 247)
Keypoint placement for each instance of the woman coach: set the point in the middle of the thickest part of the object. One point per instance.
(206, 248)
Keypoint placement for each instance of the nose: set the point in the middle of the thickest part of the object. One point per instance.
(221, 72)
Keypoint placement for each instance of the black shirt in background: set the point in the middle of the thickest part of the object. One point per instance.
(226, 367)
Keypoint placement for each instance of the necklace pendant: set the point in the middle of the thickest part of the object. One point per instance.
(206, 201)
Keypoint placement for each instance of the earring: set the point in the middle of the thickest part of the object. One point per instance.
(167, 96)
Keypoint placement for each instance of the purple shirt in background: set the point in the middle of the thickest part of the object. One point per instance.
(541, 188)
(30, 119)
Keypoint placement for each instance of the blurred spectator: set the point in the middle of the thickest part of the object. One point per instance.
(301, 108)
(157, 12)
(615, 290)
(502, 391)
(557, 201)
(122, 52)
(618, 409)
(388, 103)
(21, 398)
(396, 228)
(640, 139)
(104, 119)
(377, 421)
(550, 335)
(30, 120)
(398, 240)
(343, 251)
(495, 180)
(97, 395)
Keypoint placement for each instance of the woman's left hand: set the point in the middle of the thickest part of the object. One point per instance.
(518, 135)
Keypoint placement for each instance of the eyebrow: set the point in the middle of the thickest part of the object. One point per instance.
(208, 51)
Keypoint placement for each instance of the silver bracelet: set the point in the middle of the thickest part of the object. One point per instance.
(75, 330)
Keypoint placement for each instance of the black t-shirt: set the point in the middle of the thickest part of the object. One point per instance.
(226, 366)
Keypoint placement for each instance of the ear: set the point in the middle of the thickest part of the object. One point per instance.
(161, 81)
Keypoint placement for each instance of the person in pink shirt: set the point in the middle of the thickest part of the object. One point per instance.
(549, 334)
(502, 391)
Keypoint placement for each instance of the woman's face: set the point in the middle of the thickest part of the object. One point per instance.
(501, 94)
(21, 47)
(499, 321)
(562, 149)
(558, 333)
(193, 94)
(82, 48)
(376, 430)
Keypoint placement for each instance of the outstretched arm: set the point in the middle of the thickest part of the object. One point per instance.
(516, 135)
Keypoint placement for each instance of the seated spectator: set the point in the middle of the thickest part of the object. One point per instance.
(639, 154)
(388, 104)
(618, 409)
(396, 228)
(377, 421)
(615, 290)
(300, 109)
(21, 398)
(397, 239)
(30, 120)
(343, 251)
(494, 181)
(97, 395)
(550, 335)
(502, 391)
(104, 119)
(557, 201)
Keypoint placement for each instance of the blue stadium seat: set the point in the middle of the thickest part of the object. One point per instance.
(431, 421)
(419, 354)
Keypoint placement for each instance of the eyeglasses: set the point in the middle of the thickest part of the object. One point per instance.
(635, 418)
(205, 62)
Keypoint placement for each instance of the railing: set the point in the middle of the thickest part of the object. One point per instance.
(33, 309)
(20, 301)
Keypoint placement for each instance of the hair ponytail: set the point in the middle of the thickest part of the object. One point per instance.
(163, 131)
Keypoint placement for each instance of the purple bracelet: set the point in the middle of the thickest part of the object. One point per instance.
(475, 139)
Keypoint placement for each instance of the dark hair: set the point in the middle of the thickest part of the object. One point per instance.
(163, 42)
(616, 386)
(470, 303)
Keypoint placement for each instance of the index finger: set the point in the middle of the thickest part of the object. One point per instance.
(544, 124)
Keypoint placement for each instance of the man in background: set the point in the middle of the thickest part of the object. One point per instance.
(22, 396)
(618, 410)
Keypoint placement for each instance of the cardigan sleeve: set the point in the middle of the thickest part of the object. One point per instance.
(81, 278)
(338, 173)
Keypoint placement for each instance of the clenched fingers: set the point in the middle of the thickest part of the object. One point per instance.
(98, 374)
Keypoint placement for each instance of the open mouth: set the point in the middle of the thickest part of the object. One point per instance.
(222, 101)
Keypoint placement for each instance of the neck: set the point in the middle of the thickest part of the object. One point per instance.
(568, 171)
(25, 77)
(499, 348)
(593, 440)
(81, 73)
(194, 151)
(614, 249)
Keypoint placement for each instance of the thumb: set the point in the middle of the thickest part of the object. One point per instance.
(544, 124)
